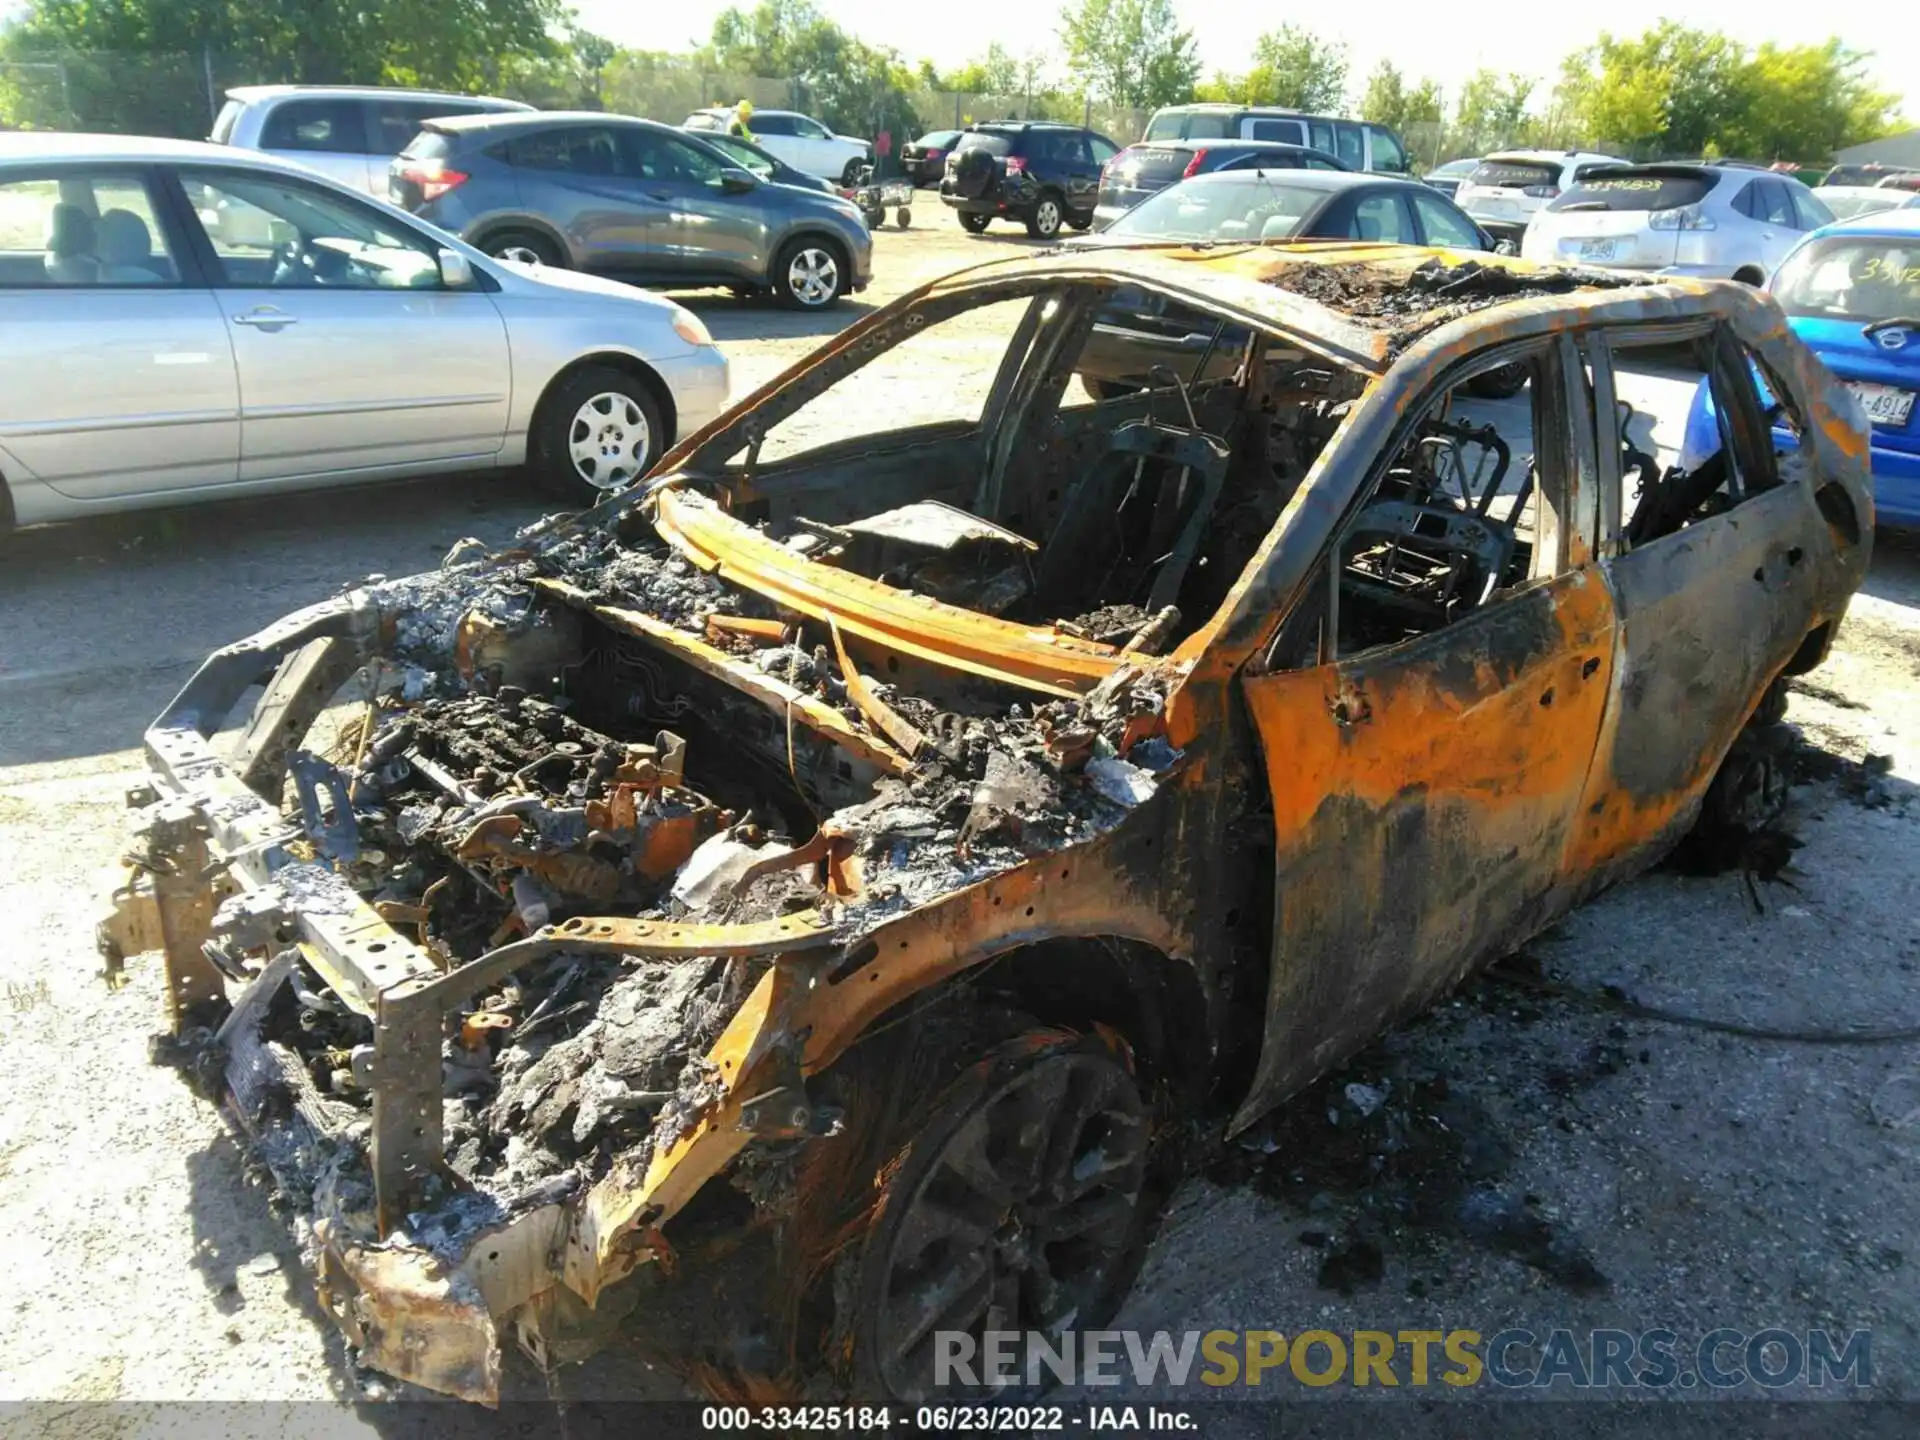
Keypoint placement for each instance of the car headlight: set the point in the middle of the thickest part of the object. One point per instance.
(687, 326)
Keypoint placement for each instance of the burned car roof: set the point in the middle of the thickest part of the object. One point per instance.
(1367, 299)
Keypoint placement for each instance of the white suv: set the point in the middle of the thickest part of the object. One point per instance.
(1509, 187)
(800, 140)
(348, 133)
(1717, 221)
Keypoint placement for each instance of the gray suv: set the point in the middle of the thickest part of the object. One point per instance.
(631, 199)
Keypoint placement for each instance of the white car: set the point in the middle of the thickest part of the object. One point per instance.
(1716, 221)
(146, 360)
(348, 133)
(800, 140)
(1508, 188)
(1849, 202)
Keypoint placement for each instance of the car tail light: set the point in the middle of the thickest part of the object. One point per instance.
(432, 176)
(1193, 165)
(1016, 165)
(1681, 217)
(1541, 192)
(935, 154)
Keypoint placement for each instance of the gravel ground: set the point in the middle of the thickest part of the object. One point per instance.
(1579, 1167)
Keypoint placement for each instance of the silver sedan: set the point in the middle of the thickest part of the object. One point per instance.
(183, 322)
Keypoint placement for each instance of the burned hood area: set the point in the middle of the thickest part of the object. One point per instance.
(588, 725)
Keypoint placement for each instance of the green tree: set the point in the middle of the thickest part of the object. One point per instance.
(139, 64)
(1673, 90)
(1296, 68)
(1492, 110)
(1803, 102)
(1388, 100)
(1130, 52)
(998, 72)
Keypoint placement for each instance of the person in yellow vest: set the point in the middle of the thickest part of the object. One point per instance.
(741, 114)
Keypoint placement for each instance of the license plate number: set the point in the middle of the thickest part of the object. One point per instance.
(1596, 249)
(1885, 404)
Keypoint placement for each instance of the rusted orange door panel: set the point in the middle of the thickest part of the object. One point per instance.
(1708, 616)
(1423, 796)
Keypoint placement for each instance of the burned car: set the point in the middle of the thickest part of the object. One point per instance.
(806, 904)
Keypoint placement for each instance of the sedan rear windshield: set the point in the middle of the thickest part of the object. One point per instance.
(1514, 174)
(1240, 209)
(1635, 190)
(1150, 164)
(1852, 278)
(987, 140)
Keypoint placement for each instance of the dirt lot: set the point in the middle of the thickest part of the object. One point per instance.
(1536, 1159)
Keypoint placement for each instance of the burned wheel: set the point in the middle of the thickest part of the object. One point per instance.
(1017, 1207)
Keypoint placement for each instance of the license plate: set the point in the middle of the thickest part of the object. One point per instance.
(1596, 249)
(1884, 404)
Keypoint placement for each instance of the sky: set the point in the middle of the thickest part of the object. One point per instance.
(1530, 39)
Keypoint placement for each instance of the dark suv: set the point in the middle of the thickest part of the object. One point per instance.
(1140, 170)
(1042, 174)
(632, 199)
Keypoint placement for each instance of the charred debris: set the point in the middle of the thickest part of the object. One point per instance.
(1411, 302)
(533, 754)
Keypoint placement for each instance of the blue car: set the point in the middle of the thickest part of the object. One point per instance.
(1852, 291)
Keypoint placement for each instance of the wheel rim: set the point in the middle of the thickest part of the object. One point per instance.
(1047, 217)
(813, 276)
(521, 254)
(1023, 1219)
(610, 441)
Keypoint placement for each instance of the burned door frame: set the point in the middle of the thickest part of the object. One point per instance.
(1424, 791)
(1709, 614)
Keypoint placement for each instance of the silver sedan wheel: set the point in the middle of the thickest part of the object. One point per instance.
(813, 276)
(520, 254)
(610, 441)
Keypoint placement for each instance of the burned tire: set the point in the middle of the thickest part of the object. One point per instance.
(596, 432)
(1016, 1198)
(1046, 218)
(526, 247)
(974, 224)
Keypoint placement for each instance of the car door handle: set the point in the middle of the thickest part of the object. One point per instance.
(265, 319)
(662, 194)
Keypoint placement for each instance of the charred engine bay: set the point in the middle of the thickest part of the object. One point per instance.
(527, 761)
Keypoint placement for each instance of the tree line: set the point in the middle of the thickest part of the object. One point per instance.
(1673, 90)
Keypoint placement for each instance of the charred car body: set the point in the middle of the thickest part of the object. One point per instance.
(793, 908)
